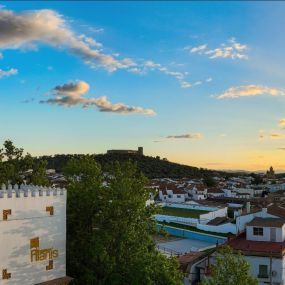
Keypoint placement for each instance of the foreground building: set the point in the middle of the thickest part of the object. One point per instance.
(263, 245)
(32, 235)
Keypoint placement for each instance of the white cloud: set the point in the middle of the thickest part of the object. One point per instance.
(277, 136)
(7, 73)
(232, 50)
(179, 76)
(250, 90)
(281, 122)
(71, 94)
(196, 136)
(199, 49)
(28, 29)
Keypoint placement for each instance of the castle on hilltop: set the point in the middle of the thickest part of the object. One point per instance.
(126, 151)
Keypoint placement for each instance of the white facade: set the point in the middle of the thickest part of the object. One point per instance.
(277, 269)
(171, 196)
(32, 235)
(275, 234)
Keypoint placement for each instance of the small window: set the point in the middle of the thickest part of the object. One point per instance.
(257, 231)
(169, 196)
(178, 196)
(263, 271)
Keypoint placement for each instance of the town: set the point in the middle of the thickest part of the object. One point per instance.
(198, 216)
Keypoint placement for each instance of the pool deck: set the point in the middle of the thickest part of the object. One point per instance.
(182, 246)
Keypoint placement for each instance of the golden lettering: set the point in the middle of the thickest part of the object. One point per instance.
(38, 254)
(55, 253)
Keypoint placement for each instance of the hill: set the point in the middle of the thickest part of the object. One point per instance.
(152, 167)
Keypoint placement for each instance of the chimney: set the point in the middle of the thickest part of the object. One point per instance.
(247, 207)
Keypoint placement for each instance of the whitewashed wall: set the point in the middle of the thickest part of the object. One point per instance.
(191, 206)
(224, 228)
(29, 219)
(174, 219)
(205, 218)
(266, 234)
(277, 267)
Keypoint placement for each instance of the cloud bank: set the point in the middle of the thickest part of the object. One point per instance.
(30, 28)
(250, 90)
(71, 94)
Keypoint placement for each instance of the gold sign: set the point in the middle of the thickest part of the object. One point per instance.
(38, 254)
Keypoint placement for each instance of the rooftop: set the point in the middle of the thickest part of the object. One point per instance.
(258, 248)
(267, 222)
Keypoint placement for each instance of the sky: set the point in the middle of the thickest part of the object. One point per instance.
(200, 83)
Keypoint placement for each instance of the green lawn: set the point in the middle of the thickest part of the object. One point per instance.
(193, 229)
(179, 212)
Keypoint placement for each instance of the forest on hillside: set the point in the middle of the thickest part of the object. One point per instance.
(152, 167)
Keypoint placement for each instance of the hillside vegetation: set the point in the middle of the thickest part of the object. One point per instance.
(152, 167)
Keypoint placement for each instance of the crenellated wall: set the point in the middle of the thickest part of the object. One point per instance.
(32, 234)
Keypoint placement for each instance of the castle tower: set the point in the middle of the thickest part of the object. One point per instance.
(140, 150)
(32, 235)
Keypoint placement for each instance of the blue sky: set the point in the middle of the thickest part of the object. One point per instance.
(200, 83)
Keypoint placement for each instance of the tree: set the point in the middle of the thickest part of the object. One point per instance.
(11, 159)
(39, 176)
(230, 269)
(13, 163)
(209, 181)
(109, 227)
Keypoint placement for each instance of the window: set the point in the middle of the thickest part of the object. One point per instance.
(169, 196)
(257, 231)
(178, 196)
(263, 271)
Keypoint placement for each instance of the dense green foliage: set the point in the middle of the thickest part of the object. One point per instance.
(152, 167)
(230, 269)
(109, 228)
(14, 163)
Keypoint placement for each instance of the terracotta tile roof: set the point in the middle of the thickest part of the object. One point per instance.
(178, 191)
(267, 222)
(215, 190)
(258, 248)
(188, 259)
(276, 210)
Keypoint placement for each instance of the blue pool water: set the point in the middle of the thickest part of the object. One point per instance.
(209, 239)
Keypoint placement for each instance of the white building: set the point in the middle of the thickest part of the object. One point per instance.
(32, 235)
(263, 246)
(173, 196)
(197, 191)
